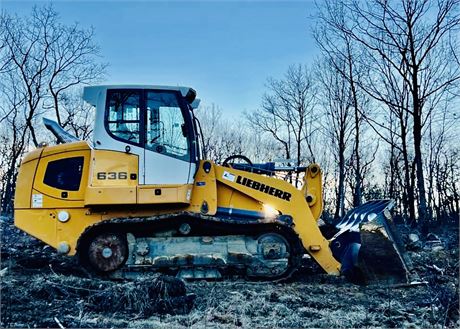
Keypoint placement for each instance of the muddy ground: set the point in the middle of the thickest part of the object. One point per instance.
(42, 289)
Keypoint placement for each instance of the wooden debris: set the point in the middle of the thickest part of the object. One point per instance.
(59, 323)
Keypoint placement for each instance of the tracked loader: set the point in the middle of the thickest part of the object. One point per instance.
(141, 197)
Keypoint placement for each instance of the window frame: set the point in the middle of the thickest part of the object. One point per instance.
(141, 116)
(183, 105)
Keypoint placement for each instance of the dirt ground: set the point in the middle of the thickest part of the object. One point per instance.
(42, 289)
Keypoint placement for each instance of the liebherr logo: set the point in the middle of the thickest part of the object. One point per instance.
(264, 188)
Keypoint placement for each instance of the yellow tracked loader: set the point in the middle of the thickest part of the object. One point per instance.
(141, 197)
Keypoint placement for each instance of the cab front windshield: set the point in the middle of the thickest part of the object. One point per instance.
(165, 126)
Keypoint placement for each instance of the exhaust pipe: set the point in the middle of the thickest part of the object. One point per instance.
(61, 135)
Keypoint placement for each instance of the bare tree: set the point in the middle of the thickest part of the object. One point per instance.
(344, 54)
(413, 40)
(211, 122)
(288, 111)
(49, 58)
(222, 137)
(40, 60)
(13, 136)
(442, 157)
(72, 61)
(27, 44)
(78, 116)
(4, 59)
(335, 99)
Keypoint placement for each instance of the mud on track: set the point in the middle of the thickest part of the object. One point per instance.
(39, 287)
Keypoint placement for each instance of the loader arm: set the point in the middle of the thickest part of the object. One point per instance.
(289, 201)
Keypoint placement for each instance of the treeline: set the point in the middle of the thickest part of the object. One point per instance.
(43, 64)
(378, 109)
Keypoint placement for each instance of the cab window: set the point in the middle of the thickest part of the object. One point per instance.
(165, 127)
(124, 115)
(64, 174)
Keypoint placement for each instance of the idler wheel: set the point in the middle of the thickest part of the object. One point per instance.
(272, 246)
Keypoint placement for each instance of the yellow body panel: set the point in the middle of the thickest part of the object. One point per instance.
(52, 192)
(24, 183)
(313, 188)
(49, 202)
(67, 147)
(108, 169)
(43, 224)
(110, 195)
(113, 178)
(38, 223)
(164, 194)
(204, 190)
(109, 189)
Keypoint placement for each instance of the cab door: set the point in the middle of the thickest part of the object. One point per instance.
(167, 153)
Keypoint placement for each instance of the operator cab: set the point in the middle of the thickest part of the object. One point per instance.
(153, 122)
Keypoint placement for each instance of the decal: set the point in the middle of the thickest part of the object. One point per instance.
(200, 183)
(37, 200)
(264, 188)
(228, 176)
(189, 194)
(112, 175)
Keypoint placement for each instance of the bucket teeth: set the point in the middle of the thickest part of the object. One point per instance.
(369, 247)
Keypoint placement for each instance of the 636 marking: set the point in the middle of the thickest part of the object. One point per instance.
(112, 175)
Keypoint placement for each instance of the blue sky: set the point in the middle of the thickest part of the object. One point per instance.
(224, 49)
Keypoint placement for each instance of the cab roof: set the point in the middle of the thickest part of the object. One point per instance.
(91, 93)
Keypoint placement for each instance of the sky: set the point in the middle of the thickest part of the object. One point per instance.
(225, 50)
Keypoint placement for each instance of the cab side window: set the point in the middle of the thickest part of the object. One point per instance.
(165, 127)
(124, 115)
(64, 174)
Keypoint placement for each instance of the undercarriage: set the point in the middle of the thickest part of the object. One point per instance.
(192, 247)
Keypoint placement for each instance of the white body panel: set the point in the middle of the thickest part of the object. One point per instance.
(163, 169)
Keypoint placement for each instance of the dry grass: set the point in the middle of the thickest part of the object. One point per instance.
(40, 285)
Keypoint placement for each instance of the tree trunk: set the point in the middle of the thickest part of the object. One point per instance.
(340, 199)
(422, 205)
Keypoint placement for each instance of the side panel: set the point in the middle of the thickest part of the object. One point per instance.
(70, 231)
(32, 173)
(110, 195)
(38, 203)
(44, 225)
(24, 184)
(162, 169)
(113, 178)
(37, 222)
(51, 192)
(204, 189)
(44, 201)
(163, 194)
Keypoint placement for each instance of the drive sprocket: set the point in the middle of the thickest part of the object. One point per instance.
(107, 252)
